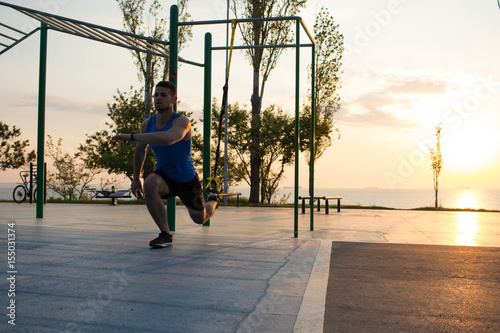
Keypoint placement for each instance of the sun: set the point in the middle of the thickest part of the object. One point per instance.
(468, 150)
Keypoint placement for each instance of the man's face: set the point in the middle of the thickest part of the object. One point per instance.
(163, 98)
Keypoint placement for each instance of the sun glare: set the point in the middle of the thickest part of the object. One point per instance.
(467, 199)
(466, 228)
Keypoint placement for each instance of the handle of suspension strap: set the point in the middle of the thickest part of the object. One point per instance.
(213, 180)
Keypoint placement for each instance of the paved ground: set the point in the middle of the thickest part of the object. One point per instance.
(86, 268)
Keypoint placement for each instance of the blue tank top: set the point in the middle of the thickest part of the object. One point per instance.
(174, 161)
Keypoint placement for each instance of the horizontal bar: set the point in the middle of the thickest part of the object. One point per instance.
(9, 27)
(265, 19)
(20, 40)
(8, 37)
(191, 62)
(25, 10)
(99, 35)
(260, 47)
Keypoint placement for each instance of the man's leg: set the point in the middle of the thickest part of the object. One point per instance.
(154, 189)
(202, 216)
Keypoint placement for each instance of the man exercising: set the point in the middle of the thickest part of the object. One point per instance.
(169, 134)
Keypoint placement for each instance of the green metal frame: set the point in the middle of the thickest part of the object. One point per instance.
(172, 77)
(40, 180)
(207, 106)
(111, 36)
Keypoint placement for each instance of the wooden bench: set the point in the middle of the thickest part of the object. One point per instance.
(327, 211)
(231, 195)
(327, 207)
(113, 195)
(308, 198)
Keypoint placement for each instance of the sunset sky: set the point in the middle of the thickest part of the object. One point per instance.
(408, 66)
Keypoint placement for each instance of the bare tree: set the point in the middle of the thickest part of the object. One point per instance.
(436, 162)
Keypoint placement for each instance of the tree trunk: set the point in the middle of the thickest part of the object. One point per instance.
(255, 161)
(255, 158)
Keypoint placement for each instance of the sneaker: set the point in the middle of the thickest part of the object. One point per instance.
(163, 240)
(212, 196)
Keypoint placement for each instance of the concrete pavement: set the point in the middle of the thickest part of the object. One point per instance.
(86, 268)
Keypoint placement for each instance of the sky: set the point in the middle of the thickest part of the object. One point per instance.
(407, 67)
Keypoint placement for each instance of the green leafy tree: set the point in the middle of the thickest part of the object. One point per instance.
(275, 130)
(100, 151)
(71, 177)
(13, 154)
(329, 49)
(263, 61)
(436, 163)
(152, 24)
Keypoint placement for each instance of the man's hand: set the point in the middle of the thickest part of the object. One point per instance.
(127, 137)
(137, 189)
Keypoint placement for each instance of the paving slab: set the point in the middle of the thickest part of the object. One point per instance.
(88, 267)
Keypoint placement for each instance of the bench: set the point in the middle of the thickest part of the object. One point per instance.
(327, 211)
(327, 207)
(307, 198)
(113, 195)
(231, 195)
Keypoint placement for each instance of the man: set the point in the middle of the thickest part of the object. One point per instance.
(169, 135)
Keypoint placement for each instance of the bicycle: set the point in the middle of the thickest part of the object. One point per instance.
(23, 190)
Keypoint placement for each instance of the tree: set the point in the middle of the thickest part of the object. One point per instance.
(13, 154)
(329, 49)
(152, 68)
(71, 178)
(263, 61)
(436, 162)
(275, 130)
(100, 151)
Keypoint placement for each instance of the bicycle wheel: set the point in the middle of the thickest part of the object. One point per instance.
(34, 193)
(19, 193)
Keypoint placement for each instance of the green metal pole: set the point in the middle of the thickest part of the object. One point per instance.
(40, 180)
(172, 77)
(297, 103)
(313, 131)
(207, 111)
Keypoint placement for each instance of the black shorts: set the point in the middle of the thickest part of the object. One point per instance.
(189, 192)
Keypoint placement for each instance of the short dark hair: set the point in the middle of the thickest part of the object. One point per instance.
(168, 85)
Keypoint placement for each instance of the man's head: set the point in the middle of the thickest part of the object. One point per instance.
(169, 85)
(165, 95)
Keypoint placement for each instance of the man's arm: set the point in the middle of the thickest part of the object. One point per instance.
(180, 128)
(139, 158)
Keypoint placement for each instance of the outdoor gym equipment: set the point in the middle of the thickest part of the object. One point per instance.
(165, 49)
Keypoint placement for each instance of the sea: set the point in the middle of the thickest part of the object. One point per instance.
(461, 198)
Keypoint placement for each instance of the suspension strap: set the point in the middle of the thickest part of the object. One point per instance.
(212, 181)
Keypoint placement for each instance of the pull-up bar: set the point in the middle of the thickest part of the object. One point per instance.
(248, 20)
